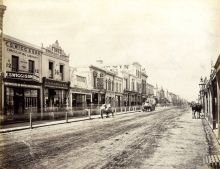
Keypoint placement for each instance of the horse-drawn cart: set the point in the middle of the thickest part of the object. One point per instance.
(106, 109)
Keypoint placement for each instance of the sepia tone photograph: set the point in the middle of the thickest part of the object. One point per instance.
(110, 84)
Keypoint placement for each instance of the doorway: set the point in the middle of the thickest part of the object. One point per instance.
(18, 101)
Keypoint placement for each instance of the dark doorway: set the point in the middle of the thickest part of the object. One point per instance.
(19, 101)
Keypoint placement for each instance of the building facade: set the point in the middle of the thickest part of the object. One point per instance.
(22, 76)
(132, 82)
(80, 90)
(56, 78)
(118, 90)
(150, 90)
(144, 85)
(217, 68)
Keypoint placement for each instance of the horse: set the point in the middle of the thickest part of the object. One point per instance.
(196, 107)
(106, 108)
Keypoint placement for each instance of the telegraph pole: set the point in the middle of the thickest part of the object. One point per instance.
(2, 10)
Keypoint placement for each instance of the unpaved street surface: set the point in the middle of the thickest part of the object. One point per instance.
(166, 139)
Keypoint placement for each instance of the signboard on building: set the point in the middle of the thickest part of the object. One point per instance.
(55, 83)
(22, 76)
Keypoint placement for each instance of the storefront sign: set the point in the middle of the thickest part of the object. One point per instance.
(22, 49)
(21, 76)
(55, 84)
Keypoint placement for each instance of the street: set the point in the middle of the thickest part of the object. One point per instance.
(167, 138)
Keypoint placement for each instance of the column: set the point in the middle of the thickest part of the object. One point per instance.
(41, 97)
(2, 62)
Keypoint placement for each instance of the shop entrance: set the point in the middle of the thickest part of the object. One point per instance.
(18, 101)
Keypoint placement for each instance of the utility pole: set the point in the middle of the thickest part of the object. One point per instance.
(2, 64)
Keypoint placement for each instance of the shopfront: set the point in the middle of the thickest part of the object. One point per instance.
(98, 97)
(21, 97)
(81, 98)
(22, 77)
(118, 100)
(55, 94)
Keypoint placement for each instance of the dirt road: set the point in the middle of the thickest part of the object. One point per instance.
(165, 139)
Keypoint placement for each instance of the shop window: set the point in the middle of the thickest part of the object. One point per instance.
(9, 101)
(61, 72)
(31, 98)
(31, 66)
(15, 65)
(51, 70)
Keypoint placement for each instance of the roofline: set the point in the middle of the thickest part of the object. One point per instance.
(107, 72)
(7, 37)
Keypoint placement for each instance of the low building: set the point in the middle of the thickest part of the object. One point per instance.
(80, 90)
(56, 79)
(22, 76)
(97, 82)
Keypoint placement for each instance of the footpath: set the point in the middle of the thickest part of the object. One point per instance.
(44, 123)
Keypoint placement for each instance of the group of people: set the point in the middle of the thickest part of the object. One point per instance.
(196, 108)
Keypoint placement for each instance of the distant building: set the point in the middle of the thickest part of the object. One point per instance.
(150, 90)
(144, 85)
(132, 81)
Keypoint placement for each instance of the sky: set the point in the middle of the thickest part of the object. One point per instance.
(174, 40)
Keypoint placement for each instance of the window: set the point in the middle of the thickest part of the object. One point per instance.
(106, 84)
(116, 87)
(112, 86)
(132, 84)
(51, 70)
(31, 66)
(109, 84)
(126, 83)
(15, 63)
(61, 72)
(95, 81)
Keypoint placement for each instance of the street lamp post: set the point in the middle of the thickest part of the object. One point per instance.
(201, 91)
